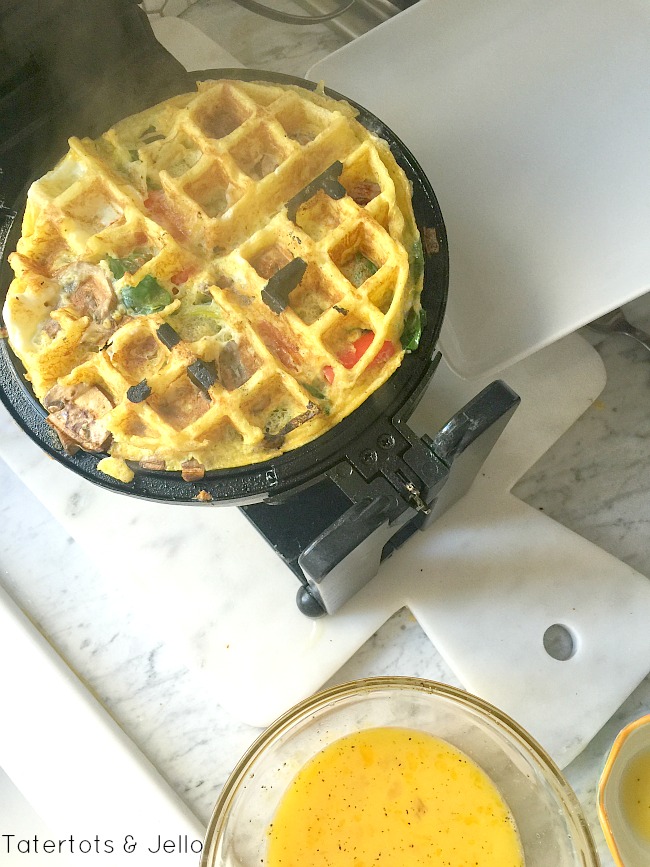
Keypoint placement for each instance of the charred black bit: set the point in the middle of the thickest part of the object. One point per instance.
(138, 393)
(311, 411)
(276, 292)
(341, 310)
(168, 336)
(327, 181)
(202, 373)
(192, 470)
(275, 440)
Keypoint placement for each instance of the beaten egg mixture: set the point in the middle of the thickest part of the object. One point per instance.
(392, 796)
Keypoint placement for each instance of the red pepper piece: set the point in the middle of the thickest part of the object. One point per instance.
(328, 373)
(182, 276)
(387, 351)
(351, 354)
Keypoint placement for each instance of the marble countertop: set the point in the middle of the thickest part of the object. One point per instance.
(594, 480)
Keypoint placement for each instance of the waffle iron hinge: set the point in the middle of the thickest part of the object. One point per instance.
(397, 483)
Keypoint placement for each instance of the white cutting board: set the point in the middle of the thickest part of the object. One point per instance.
(63, 759)
(531, 119)
(485, 582)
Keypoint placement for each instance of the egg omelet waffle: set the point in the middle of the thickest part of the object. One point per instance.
(216, 280)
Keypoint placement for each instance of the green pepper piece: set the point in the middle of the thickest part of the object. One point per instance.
(358, 269)
(415, 322)
(147, 296)
(416, 261)
(117, 267)
(313, 390)
(128, 264)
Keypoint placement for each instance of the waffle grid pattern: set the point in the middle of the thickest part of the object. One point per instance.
(188, 200)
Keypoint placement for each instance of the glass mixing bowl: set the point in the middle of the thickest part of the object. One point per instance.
(552, 828)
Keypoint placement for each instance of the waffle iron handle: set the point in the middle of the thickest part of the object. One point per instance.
(346, 556)
(464, 443)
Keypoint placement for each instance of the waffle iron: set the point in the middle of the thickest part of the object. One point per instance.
(334, 508)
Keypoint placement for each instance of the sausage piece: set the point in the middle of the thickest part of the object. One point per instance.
(76, 414)
(88, 291)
